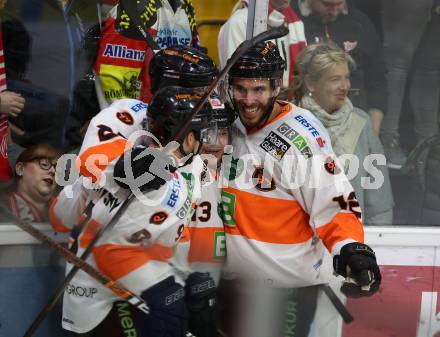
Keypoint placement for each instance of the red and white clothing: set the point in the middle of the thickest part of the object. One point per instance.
(5, 169)
(233, 32)
(23, 208)
(122, 62)
(298, 195)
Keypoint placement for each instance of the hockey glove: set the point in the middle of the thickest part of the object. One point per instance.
(200, 293)
(143, 168)
(357, 263)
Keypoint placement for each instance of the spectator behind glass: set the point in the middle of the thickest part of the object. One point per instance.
(124, 55)
(233, 32)
(34, 183)
(411, 32)
(351, 30)
(11, 104)
(323, 84)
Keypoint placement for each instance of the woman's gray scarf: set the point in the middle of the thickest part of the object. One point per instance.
(341, 124)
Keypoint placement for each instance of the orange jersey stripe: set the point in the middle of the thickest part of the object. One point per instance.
(93, 168)
(89, 233)
(285, 223)
(342, 227)
(186, 236)
(56, 222)
(116, 261)
(202, 248)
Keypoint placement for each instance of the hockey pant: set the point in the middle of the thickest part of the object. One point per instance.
(167, 317)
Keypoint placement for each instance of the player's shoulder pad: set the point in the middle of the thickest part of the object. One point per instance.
(305, 132)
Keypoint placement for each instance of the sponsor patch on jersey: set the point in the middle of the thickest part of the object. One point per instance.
(309, 126)
(330, 166)
(125, 117)
(275, 145)
(158, 218)
(183, 211)
(264, 184)
(219, 245)
(228, 203)
(78, 291)
(139, 107)
(298, 141)
(122, 52)
(173, 194)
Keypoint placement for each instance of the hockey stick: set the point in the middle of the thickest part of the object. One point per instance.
(49, 306)
(125, 294)
(272, 34)
(339, 306)
(242, 49)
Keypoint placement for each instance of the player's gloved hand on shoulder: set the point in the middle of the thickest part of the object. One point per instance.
(357, 263)
(143, 168)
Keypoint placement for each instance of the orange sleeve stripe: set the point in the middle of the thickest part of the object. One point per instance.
(203, 245)
(286, 223)
(116, 261)
(343, 226)
(89, 233)
(111, 150)
(56, 222)
(186, 236)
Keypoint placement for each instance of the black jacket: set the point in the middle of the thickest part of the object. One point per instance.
(355, 29)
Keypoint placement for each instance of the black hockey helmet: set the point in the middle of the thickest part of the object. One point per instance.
(221, 113)
(168, 110)
(181, 66)
(262, 61)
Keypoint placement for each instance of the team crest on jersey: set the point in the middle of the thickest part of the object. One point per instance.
(158, 218)
(264, 184)
(125, 117)
(330, 166)
(275, 145)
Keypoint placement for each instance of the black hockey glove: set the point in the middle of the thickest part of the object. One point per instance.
(200, 294)
(143, 168)
(357, 263)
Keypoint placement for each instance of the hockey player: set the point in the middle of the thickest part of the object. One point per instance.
(298, 196)
(181, 66)
(137, 250)
(201, 251)
(174, 66)
(124, 55)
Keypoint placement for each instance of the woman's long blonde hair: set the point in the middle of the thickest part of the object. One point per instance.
(316, 59)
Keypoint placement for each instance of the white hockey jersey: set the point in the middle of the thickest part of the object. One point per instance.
(202, 247)
(284, 193)
(137, 250)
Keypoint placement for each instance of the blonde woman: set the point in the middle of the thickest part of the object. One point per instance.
(322, 83)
